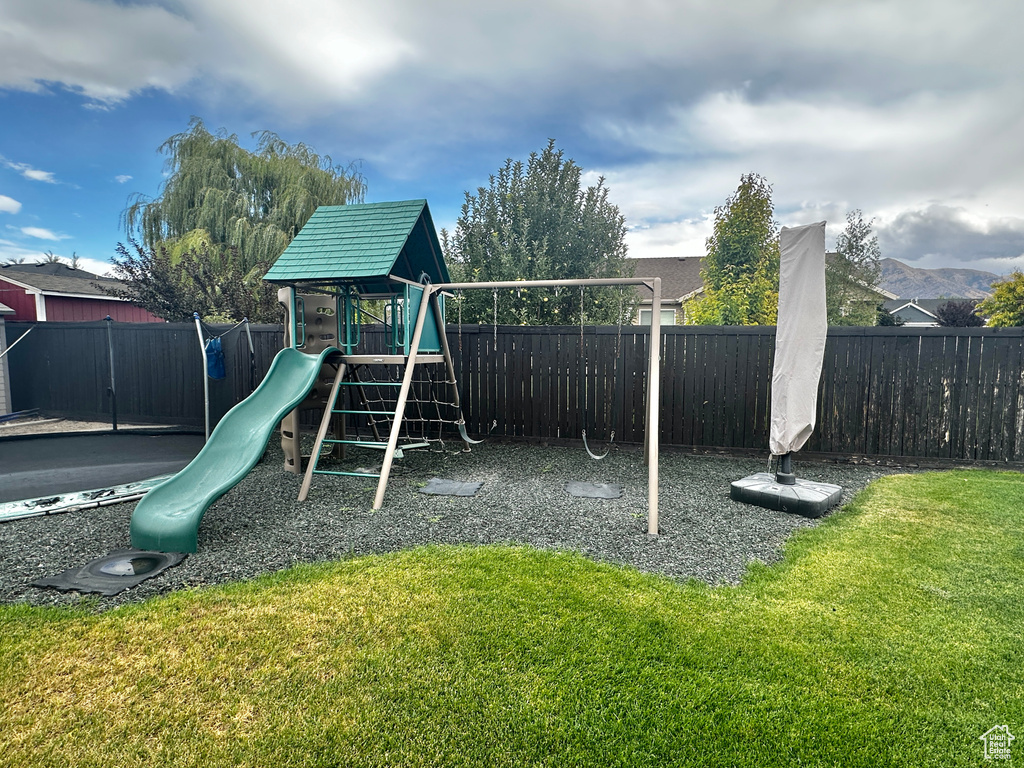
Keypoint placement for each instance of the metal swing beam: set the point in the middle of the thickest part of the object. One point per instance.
(651, 439)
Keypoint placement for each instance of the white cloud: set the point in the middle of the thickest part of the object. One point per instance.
(887, 107)
(948, 235)
(325, 53)
(28, 171)
(667, 239)
(97, 267)
(9, 204)
(10, 251)
(100, 48)
(826, 157)
(43, 234)
(37, 175)
(123, 178)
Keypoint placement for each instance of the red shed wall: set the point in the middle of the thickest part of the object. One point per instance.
(63, 309)
(15, 297)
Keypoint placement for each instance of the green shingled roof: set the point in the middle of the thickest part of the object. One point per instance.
(363, 243)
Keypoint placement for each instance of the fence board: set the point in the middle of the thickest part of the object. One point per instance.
(934, 393)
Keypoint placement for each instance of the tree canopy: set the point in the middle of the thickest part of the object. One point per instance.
(958, 314)
(536, 221)
(198, 277)
(741, 269)
(884, 317)
(851, 274)
(1005, 307)
(233, 208)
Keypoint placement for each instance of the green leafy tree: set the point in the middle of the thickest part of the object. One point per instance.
(1005, 307)
(852, 273)
(884, 317)
(741, 269)
(958, 314)
(200, 278)
(535, 221)
(238, 208)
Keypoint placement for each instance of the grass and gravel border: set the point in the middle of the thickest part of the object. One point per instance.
(259, 527)
(888, 635)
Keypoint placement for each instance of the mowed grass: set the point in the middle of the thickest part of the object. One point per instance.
(890, 635)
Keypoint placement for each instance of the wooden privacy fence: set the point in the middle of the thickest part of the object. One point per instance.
(934, 393)
(64, 369)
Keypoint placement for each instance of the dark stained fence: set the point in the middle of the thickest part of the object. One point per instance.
(935, 393)
(932, 393)
(63, 369)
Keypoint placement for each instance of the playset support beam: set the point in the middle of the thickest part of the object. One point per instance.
(651, 441)
(403, 396)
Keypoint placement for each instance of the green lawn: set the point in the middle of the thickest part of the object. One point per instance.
(890, 635)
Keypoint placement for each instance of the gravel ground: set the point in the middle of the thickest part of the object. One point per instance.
(258, 526)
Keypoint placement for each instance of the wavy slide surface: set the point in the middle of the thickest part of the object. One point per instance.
(167, 518)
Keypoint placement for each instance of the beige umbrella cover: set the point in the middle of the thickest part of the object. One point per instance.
(800, 336)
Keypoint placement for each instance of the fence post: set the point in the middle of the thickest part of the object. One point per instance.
(113, 387)
(206, 378)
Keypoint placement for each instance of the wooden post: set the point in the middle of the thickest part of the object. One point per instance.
(403, 396)
(653, 408)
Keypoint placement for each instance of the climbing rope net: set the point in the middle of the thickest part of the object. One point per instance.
(431, 414)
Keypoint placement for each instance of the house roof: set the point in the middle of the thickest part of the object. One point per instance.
(680, 276)
(58, 279)
(911, 313)
(363, 243)
(929, 306)
(5, 310)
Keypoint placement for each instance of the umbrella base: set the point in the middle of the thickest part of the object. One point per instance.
(803, 497)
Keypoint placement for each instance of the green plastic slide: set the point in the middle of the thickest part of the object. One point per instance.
(167, 518)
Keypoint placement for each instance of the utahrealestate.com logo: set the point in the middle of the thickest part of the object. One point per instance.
(997, 742)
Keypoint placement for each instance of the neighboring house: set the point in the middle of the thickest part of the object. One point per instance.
(5, 377)
(680, 282)
(920, 313)
(916, 313)
(58, 293)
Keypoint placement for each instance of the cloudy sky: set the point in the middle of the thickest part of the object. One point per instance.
(912, 111)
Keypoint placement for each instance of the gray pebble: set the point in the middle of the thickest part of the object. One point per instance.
(259, 527)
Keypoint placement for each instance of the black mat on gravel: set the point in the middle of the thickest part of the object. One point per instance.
(438, 487)
(114, 573)
(593, 490)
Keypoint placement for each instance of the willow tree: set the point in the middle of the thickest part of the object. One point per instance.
(536, 221)
(741, 268)
(242, 207)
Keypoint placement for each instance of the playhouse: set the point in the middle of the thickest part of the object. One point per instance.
(345, 260)
(364, 287)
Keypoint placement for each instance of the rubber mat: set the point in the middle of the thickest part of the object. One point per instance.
(438, 487)
(114, 573)
(593, 490)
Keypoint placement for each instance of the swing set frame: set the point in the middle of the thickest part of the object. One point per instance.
(651, 439)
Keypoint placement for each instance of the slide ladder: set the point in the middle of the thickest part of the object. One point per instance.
(379, 411)
(380, 419)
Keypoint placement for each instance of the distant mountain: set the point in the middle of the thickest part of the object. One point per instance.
(914, 283)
